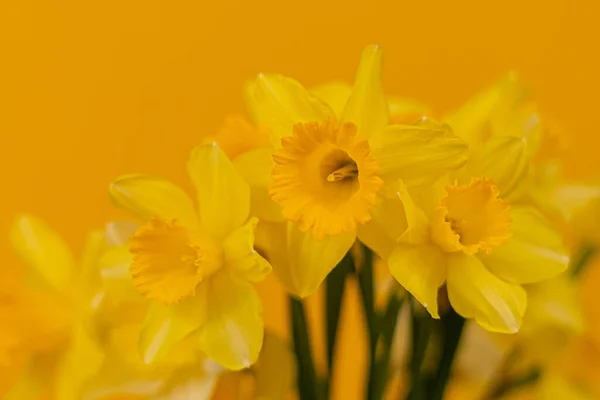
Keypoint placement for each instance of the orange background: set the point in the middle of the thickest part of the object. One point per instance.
(93, 89)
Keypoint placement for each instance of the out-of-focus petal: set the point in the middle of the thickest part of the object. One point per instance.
(165, 327)
(418, 153)
(223, 195)
(421, 269)
(535, 252)
(505, 160)
(232, 333)
(406, 111)
(279, 102)
(44, 251)
(335, 93)
(238, 136)
(148, 197)
(240, 255)
(474, 292)
(367, 107)
(300, 261)
(119, 232)
(255, 167)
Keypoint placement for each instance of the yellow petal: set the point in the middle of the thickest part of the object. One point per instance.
(474, 292)
(148, 197)
(223, 196)
(240, 255)
(300, 261)
(374, 236)
(535, 252)
(232, 333)
(335, 93)
(255, 167)
(367, 107)
(276, 372)
(505, 160)
(81, 363)
(165, 327)
(417, 223)
(119, 232)
(114, 271)
(238, 136)
(44, 251)
(406, 111)
(417, 153)
(421, 269)
(279, 102)
(471, 121)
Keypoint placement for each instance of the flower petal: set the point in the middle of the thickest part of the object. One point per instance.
(474, 292)
(534, 253)
(421, 269)
(417, 153)
(148, 197)
(233, 331)
(240, 255)
(279, 102)
(406, 111)
(165, 327)
(223, 196)
(255, 167)
(367, 107)
(505, 160)
(335, 93)
(300, 261)
(374, 236)
(44, 251)
(119, 232)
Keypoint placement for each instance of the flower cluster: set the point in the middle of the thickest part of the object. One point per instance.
(465, 216)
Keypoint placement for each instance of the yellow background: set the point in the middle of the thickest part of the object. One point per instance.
(93, 89)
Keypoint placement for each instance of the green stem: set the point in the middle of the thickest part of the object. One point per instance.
(334, 293)
(454, 325)
(308, 385)
(365, 283)
(421, 331)
(583, 257)
(510, 386)
(378, 381)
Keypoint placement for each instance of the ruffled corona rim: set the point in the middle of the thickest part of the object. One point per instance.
(325, 178)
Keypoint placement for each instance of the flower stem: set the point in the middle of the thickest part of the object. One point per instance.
(365, 283)
(308, 385)
(421, 331)
(335, 285)
(453, 324)
(583, 257)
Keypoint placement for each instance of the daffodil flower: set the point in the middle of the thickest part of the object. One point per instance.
(197, 267)
(325, 172)
(463, 233)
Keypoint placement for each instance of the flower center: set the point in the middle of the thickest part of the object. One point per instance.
(471, 218)
(169, 262)
(325, 178)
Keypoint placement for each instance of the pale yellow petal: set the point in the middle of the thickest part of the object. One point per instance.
(148, 197)
(255, 167)
(474, 292)
(119, 232)
(505, 160)
(299, 260)
(367, 107)
(418, 153)
(279, 102)
(406, 111)
(114, 271)
(165, 327)
(535, 252)
(44, 251)
(335, 93)
(276, 372)
(223, 195)
(421, 269)
(241, 256)
(374, 236)
(232, 333)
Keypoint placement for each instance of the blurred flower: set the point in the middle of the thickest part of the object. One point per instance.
(326, 170)
(198, 268)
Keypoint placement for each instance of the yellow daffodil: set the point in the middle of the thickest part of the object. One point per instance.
(324, 168)
(465, 234)
(197, 267)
